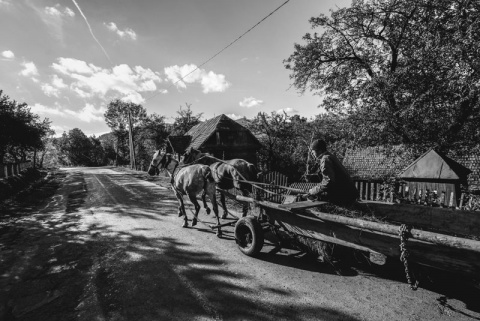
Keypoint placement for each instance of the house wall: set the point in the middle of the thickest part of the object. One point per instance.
(231, 144)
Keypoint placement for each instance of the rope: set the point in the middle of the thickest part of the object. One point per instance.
(404, 233)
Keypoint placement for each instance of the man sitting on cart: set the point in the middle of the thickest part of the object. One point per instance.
(336, 185)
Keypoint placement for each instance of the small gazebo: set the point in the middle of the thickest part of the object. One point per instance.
(432, 172)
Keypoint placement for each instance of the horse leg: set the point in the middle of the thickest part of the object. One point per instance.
(211, 190)
(204, 194)
(193, 199)
(225, 210)
(181, 209)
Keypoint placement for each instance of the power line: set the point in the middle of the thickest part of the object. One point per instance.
(224, 48)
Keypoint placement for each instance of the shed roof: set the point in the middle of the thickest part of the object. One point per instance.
(202, 132)
(434, 165)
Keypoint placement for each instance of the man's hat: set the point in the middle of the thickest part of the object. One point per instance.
(319, 144)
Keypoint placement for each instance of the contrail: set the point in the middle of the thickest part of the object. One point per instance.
(91, 31)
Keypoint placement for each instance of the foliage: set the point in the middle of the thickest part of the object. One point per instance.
(117, 118)
(76, 149)
(398, 71)
(21, 131)
(185, 120)
(151, 135)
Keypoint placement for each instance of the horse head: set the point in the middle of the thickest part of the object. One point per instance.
(153, 169)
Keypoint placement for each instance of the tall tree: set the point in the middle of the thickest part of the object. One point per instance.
(117, 118)
(75, 148)
(185, 120)
(402, 71)
(21, 131)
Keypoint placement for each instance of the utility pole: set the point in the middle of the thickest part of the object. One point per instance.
(132, 149)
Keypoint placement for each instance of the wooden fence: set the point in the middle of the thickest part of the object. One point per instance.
(275, 179)
(13, 169)
(373, 191)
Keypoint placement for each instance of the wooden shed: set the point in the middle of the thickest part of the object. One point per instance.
(435, 172)
(224, 138)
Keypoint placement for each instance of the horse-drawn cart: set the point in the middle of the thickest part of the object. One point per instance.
(435, 237)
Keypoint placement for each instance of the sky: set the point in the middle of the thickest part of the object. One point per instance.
(67, 59)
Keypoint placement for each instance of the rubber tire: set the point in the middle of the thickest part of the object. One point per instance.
(249, 235)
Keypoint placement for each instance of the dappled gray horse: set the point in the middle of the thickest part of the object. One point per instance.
(188, 180)
(227, 174)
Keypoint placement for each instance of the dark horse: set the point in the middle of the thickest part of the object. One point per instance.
(227, 174)
(188, 180)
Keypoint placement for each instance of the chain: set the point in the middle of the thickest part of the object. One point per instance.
(404, 233)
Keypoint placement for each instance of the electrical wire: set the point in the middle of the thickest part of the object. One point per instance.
(223, 49)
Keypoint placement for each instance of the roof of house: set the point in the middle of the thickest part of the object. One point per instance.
(202, 132)
(179, 143)
(434, 165)
(373, 163)
(472, 162)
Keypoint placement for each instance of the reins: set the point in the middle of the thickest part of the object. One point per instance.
(244, 180)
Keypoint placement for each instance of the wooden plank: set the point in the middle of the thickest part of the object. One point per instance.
(432, 218)
(436, 238)
(440, 257)
(301, 205)
(330, 239)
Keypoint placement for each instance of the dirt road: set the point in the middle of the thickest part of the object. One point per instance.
(99, 244)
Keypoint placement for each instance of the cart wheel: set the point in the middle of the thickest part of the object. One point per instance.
(249, 235)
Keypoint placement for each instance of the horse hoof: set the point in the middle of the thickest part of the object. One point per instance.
(219, 233)
(180, 214)
(208, 210)
(225, 215)
(185, 224)
(194, 222)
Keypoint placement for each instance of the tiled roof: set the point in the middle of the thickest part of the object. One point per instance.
(472, 162)
(202, 132)
(179, 143)
(372, 163)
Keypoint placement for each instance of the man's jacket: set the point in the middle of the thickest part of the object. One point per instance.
(336, 182)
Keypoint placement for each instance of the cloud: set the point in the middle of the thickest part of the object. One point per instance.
(250, 102)
(210, 81)
(29, 70)
(234, 116)
(58, 11)
(42, 109)
(4, 3)
(288, 111)
(88, 80)
(53, 89)
(8, 54)
(126, 33)
(88, 113)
